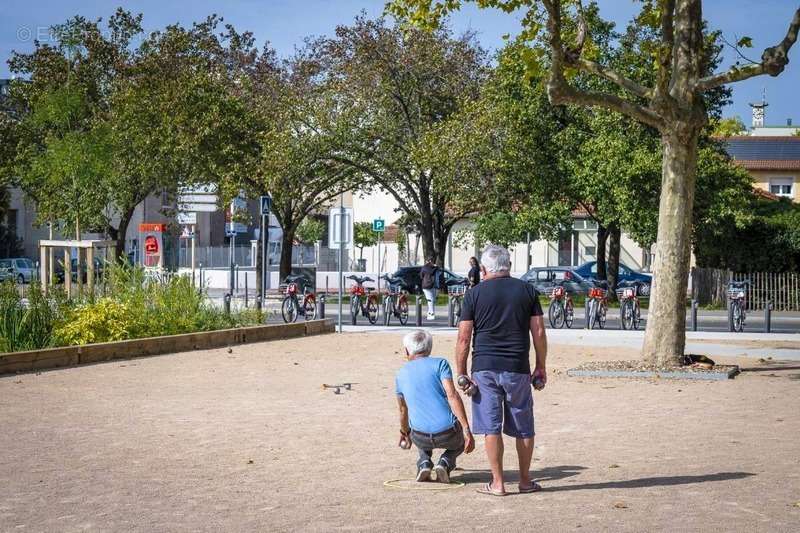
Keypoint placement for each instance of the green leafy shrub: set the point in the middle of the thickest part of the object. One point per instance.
(26, 325)
(103, 320)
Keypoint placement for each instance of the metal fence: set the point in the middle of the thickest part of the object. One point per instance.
(782, 289)
(220, 256)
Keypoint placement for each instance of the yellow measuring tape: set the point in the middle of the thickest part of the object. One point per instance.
(412, 484)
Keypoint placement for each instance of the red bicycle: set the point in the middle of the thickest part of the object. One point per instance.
(362, 300)
(598, 305)
(395, 302)
(561, 311)
(291, 307)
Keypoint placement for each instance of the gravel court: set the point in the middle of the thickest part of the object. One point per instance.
(249, 440)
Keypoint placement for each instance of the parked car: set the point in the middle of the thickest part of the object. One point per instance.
(589, 272)
(412, 283)
(58, 270)
(19, 269)
(544, 278)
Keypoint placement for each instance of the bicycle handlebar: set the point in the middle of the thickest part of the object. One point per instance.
(359, 279)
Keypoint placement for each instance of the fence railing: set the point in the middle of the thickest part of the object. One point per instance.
(782, 289)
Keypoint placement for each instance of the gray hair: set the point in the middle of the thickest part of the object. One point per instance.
(496, 259)
(418, 342)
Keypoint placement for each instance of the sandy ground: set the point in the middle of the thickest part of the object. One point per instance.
(249, 441)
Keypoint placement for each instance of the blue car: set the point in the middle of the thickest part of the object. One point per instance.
(588, 271)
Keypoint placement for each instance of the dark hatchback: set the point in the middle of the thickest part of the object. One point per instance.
(412, 283)
(545, 278)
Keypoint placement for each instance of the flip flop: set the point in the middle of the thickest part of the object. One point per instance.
(487, 489)
(535, 487)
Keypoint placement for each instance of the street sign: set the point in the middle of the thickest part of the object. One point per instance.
(209, 188)
(335, 237)
(266, 205)
(197, 208)
(198, 199)
(186, 219)
(378, 225)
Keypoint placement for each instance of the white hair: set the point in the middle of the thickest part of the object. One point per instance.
(418, 342)
(496, 259)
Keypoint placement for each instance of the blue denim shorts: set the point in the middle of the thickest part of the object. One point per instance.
(504, 402)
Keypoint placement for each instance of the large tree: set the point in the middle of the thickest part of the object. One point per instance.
(399, 88)
(673, 105)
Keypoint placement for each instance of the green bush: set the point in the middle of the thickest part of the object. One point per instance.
(103, 320)
(26, 325)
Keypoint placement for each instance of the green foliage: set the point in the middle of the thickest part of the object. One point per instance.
(103, 320)
(768, 241)
(25, 325)
(727, 127)
(311, 230)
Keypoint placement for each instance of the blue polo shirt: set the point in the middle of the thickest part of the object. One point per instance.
(419, 382)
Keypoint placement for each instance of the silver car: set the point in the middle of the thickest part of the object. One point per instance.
(18, 269)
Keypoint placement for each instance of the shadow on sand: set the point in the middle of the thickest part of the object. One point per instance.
(556, 473)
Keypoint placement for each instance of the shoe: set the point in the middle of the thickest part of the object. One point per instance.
(431, 316)
(442, 473)
(424, 472)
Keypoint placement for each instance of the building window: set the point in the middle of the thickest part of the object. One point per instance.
(782, 187)
(590, 251)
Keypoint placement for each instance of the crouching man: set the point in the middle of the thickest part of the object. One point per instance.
(432, 415)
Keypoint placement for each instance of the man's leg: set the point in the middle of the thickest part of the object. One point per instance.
(453, 444)
(424, 460)
(518, 421)
(430, 296)
(494, 452)
(487, 420)
(525, 454)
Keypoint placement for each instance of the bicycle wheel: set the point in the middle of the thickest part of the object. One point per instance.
(402, 311)
(592, 313)
(569, 314)
(310, 309)
(738, 321)
(556, 314)
(602, 313)
(626, 314)
(372, 310)
(637, 315)
(388, 310)
(289, 309)
(355, 307)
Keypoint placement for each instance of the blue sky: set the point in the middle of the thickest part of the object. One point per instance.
(286, 22)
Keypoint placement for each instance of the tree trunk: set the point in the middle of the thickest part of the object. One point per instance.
(428, 246)
(287, 242)
(612, 272)
(440, 245)
(121, 232)
(602, 238)
(665, 337)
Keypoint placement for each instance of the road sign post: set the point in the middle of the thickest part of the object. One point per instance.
(379, 227)
(340, 235)
(266, 207)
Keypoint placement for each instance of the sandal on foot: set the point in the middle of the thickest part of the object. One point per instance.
(487, 489)
(535, 487)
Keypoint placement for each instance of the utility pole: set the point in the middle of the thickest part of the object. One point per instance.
(341, 255)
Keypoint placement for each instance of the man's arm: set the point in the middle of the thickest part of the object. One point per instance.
(404, 426)
(539, 345)
(462, 346)
(461, 414)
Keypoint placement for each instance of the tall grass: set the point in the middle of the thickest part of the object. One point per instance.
(26, 324)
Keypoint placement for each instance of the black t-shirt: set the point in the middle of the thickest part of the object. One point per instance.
(501, 311)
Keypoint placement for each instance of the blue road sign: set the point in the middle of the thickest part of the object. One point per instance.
(378, 225)
(266, 205)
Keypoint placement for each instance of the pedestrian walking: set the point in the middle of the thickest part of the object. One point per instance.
(429, 279)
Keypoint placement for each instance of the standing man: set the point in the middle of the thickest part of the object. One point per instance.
(428, 275)
(499, 317)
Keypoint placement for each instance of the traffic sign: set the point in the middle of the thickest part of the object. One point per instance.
(378, 225)
(335, 237)
(198, 199)
(186, 218)
(198, 208)
(266, 205)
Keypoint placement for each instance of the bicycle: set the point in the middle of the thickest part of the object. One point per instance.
(630, 314)
(291, 307)
(737, 303)
(561, 311)
(455, 293)
(362, 300)
(395, 303)
(597, 310)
